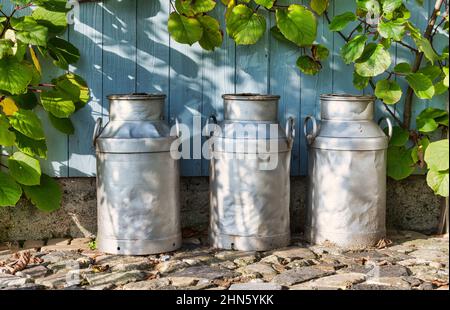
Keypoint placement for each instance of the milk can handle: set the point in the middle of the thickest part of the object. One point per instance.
(290, 129)
(310, 136)
(97, 130)
(177, 127)
(212, 118)
(389, 123)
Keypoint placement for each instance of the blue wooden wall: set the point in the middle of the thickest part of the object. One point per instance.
(126, 48)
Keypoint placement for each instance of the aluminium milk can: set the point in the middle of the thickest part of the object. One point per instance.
(137, 180)
(249, 175)
(347, 173)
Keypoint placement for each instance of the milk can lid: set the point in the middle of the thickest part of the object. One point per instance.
(250, 97)
(136, 96)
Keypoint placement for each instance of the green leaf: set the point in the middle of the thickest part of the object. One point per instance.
(425, 46)
(431, 71)
(63, 52)
(46, 196)
(7, 137)
(445, 81)
(6, 48)
(389, 91)
(14, 75)
(390, 6)
(440, 88)
(27, 101)
(374, 60)
(403, 68)
(426, 121)
(186, 30)
(265, 3)
(24, 169)
(74, 87)
(392, 30)
(400, 136)
(27, 123)
(10, 191)
(52, 5)
(57, 103)
(30, 32)
(319, 6)
(438, 181)
(421, 84)
(399, 164)
(308, 65)
(437, 155)
(244, 26)
(193, 7)
(319, 52)
(56, 22)
(341, 21)
(360, 82)
(276, 33)
(353, 49)
(62, 124)
(212, 36)
(30, 146)
(297, 24)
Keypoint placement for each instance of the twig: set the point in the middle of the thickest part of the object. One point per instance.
(4, 166)
(415, 50)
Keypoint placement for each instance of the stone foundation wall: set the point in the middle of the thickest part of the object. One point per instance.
(411, 205)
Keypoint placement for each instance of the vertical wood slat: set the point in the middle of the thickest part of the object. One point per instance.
(284, 80)
(313, 86)
(86, 34)
(153, 48)
(119, 49)
(218, 74)
(186, 93)
(252, 64)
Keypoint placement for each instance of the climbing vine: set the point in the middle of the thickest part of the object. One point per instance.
(368, 34)
(29, 37)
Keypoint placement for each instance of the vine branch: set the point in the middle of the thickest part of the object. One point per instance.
(417, 62)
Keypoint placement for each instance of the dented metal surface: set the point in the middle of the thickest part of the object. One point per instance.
(137, 179)
(347, 173)
(249, 176)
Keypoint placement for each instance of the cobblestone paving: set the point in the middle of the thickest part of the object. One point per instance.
(412, 261)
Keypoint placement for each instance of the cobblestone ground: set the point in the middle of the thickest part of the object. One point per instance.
(411, 261)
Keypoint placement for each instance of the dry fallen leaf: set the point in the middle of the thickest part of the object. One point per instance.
(383, 243)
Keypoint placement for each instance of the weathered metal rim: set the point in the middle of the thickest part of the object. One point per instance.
(250, 97)
(346, 97)
(136, 96)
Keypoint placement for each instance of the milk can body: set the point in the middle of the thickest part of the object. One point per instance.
(137, 179)
(346, 202)
(249, 175)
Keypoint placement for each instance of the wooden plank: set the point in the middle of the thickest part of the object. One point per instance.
(119, 49)
(86, 34)
(218, 72)
(285, 82)
(342, 74)
(185, 97)
(252, 64)
(314, 86)
(153, 42)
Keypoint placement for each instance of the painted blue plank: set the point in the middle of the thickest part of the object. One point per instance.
(342, 74)
(252, 64)
(119, 49)
(218, 73)
(285, 82)
(86, 34)
(186, 93)
(153, 47)
(314, 86)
